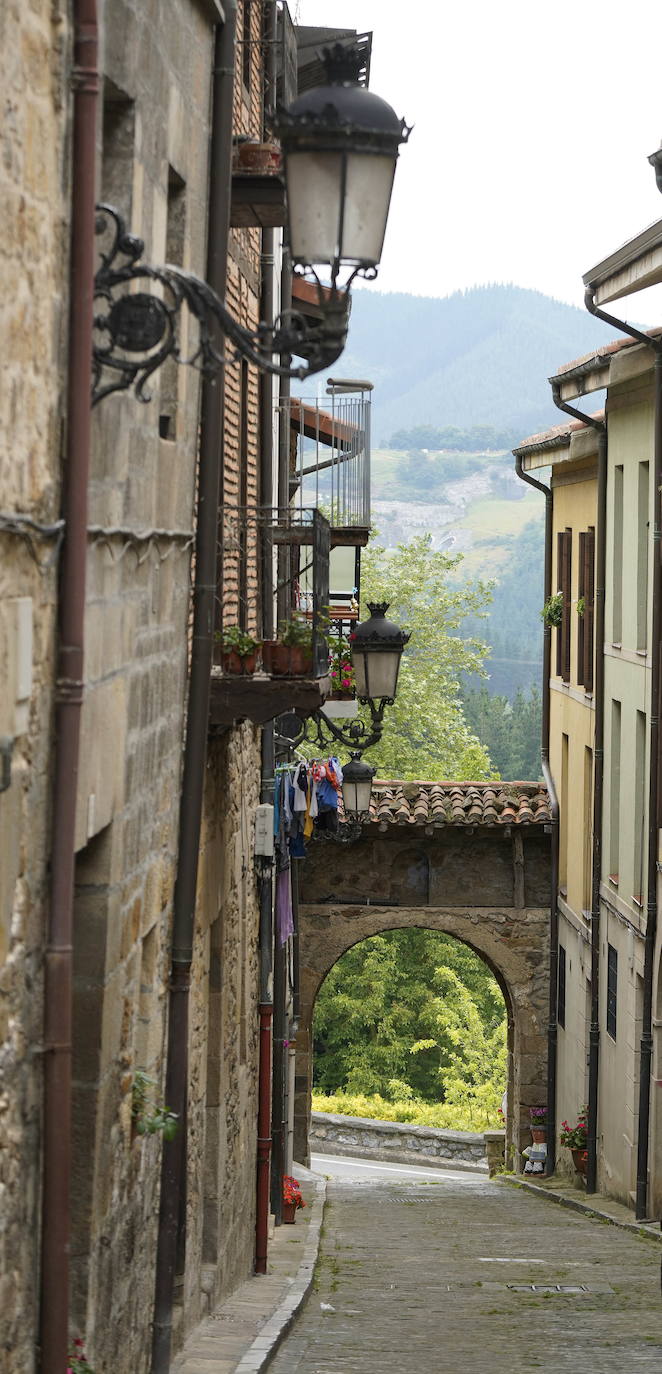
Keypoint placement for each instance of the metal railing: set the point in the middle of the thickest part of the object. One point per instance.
(273, 568)
(330, 453)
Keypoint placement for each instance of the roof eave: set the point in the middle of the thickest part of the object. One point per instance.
(634, 266)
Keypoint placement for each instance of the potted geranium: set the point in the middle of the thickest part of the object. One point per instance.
(342, 673)
(238, 650)
(292, 1198)
(575, 1138)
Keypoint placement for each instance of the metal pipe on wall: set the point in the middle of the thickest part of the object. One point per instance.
(173, 1164)
(552, 1028)
(68, 698)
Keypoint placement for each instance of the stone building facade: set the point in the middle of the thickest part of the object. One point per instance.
(34, 180)
(153, 165)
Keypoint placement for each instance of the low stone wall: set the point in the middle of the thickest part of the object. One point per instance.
(396, 1140)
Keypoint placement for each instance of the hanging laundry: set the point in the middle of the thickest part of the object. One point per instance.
(284, 913)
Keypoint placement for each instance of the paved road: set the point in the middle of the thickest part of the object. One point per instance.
(434, 1276)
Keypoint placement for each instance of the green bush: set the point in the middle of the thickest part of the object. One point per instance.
(476, 1113)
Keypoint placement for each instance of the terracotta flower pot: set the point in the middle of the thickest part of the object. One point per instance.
(259, 157)
(289, 1214)
(232, 662)
(579, 1159)
(285, 660)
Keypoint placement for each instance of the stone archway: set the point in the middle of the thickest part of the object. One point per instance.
(468, 860)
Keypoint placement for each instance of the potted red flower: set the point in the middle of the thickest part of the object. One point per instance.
(575, 1138)
(291, 655)
(292, 1199)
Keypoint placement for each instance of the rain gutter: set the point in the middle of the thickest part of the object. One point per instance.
(68, 699)
(552, 1027)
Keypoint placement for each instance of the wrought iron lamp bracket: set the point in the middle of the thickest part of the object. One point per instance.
(320, 730)
(137, 330)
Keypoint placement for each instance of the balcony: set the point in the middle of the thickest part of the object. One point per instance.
(273, 572)
(330, 458)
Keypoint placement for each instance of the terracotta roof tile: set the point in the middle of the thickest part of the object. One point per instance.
(459, 803)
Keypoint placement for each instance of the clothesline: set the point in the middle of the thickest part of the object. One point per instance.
(305, 798)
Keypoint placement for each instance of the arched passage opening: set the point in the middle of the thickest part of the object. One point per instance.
(327, 932)
(413, 1020)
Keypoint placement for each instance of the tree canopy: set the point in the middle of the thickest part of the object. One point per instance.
(426, 734)
(411, 1014)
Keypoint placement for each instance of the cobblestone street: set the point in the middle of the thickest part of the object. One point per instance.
(436, 1276)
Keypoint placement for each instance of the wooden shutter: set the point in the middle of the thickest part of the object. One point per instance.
(581, 619)
(589, 612)
(565, 583)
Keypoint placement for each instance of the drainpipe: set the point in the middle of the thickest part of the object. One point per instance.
(68, 700)
(598, 780)
(552, 1028)
(646, 1043)
(268, 264)
(173, 1163)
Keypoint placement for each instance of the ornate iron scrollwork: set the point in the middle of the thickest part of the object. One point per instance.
(319, 730)
(136, 331)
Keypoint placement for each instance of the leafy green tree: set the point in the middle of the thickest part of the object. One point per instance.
(510, 731)
(426, 734)
(393, 1015)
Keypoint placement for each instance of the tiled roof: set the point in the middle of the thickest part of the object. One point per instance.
(559, 434)
(605, 351)
(459, 803)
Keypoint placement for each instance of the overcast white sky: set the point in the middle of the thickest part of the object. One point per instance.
(534, 119)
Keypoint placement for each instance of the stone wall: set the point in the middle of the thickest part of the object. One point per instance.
(34, 46)
(395, 1140)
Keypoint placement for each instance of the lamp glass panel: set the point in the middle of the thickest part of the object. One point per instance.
(367, 199)
(349, 798)
(382, 673)
(360, 672)
(313, 201)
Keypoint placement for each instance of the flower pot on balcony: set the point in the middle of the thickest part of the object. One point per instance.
(286, 660)
(259, 157)
(238, 664)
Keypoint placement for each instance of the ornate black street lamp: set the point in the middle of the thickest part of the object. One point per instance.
(340, 146)
(357, 776)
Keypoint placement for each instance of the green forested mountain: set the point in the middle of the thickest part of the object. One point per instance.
(478, 357)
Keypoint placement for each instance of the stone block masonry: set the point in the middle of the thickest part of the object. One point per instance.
(396, 1140)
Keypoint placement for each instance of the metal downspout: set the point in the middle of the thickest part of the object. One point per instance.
(68, 700)
(646, 1043)
(552, 1028)
(268, 265)
(173, 1164)
(598, 780)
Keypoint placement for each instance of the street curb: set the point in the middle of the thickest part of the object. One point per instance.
(265, 1345)
(636, 1228)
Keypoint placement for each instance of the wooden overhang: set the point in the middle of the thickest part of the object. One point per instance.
(260, 698)
(258, 201)
(634, 266)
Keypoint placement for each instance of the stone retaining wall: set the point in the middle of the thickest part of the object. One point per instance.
(396, 1140)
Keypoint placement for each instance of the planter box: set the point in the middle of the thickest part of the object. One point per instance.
(285, 660)
(233, 663)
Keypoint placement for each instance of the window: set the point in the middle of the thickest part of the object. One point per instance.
(586, 592)
(642, 559)
(563, 634)
(617, 575)
(118, 139)
(612, 990)
(560, 1005)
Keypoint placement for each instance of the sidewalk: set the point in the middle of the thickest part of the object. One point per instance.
(241, 1336)
(568, 1194)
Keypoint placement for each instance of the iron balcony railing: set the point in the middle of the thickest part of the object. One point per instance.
(330, 453)
(273, 569)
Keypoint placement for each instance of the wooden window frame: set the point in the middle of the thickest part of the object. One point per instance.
(586, 622)
(564, 631)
